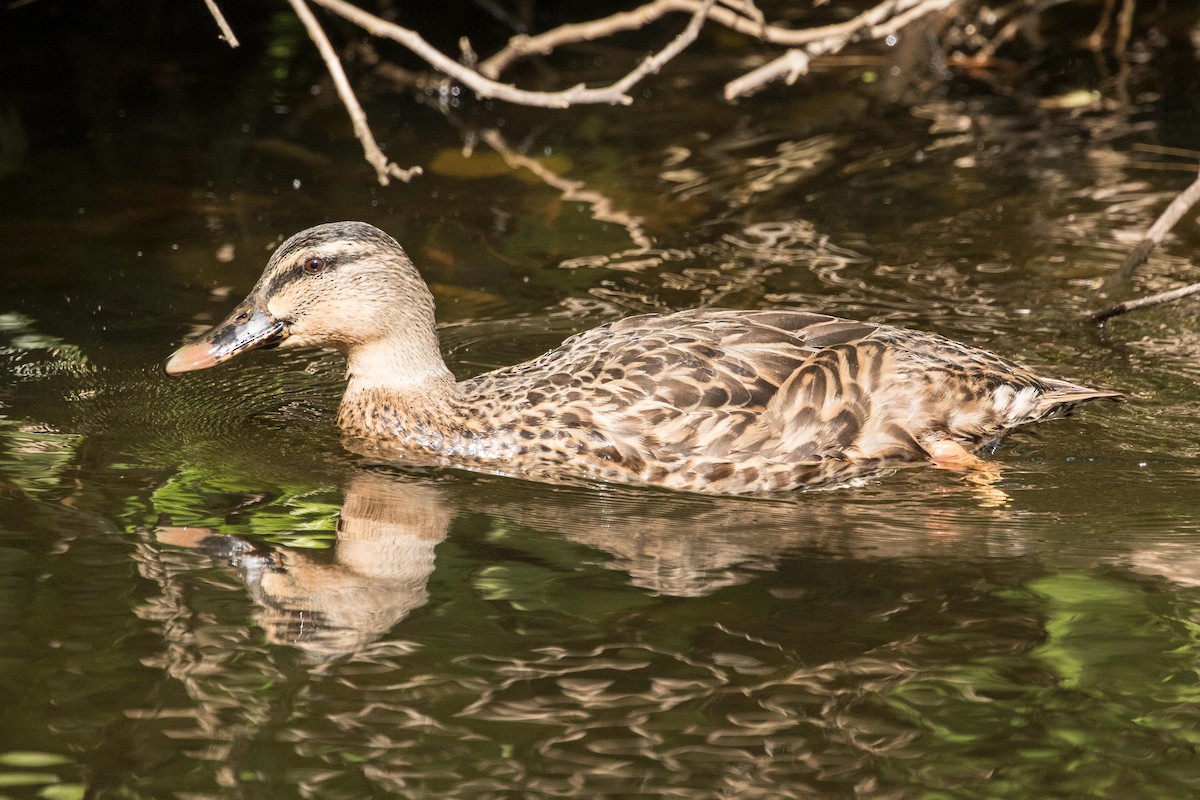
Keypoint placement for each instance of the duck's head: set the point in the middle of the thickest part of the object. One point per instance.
(345, 285)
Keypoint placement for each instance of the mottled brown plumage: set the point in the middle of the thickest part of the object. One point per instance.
(714, 401)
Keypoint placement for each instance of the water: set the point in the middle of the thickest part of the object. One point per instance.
(202, 594)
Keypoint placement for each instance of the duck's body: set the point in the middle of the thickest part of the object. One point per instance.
(714, 401)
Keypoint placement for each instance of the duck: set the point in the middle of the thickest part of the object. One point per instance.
(713, 401)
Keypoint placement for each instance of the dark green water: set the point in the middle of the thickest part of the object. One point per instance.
(202, 595)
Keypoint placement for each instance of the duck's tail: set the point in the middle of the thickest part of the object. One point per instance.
(1063, 397)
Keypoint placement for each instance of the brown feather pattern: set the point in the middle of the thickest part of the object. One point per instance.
(709, 400)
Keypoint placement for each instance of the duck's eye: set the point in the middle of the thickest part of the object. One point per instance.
(313, 266)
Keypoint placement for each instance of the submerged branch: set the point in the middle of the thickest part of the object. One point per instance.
(1178, 207)
(1162, 298)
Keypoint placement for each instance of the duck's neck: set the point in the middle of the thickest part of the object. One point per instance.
(397, 389)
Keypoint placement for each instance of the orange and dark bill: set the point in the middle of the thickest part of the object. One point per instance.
(249, 327)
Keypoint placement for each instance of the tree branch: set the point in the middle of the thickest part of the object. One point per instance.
(872, 25)
(488, 88)
(384, 170)
(749, 23)
(226, 31)
(794, 63)
(1146, 302)
(1173, 212)
(1178, 207)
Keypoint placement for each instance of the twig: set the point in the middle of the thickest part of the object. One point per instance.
(1146, 302)
(749, 24)
(875, 24)
(656, 62)
(384, 170)
(226, 31)
(488, 88)
(794, 63)
(542, 44)
(1178, 207)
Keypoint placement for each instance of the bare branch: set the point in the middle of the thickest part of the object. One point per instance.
(226, 31)
(794, 63)
(873, 25)
(1146, 302)
(522, 45)
(1178, 207)
(384, 170)
(742, 16)
(865, 26)
(488, 88)
(676, 46)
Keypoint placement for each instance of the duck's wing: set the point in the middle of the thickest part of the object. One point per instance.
(711, 359)
(696, 384)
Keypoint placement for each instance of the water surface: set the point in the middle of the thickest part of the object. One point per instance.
(202, 594)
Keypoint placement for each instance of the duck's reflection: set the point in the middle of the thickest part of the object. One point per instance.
(339, 601)
(332, 603)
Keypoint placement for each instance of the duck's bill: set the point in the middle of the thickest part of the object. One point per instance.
(249, 327)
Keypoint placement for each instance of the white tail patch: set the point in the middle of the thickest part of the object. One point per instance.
(1015, 406)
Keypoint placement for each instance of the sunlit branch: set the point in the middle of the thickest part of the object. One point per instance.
(226, 31)
(1150, 301)
(485, 87)
(874, 23)
(602, 207)
(1178, 207)
(384, 169)
(793, 64)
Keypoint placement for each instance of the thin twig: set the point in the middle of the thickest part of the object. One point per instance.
(384, 169)
(488, 88)
(793, 63)
(521, 46)
(875, 25)
(1178, 207)
(656, 62)
(226, 31)
(751, 25)
(1146, 302)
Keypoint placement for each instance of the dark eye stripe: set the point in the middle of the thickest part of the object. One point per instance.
(298, 271)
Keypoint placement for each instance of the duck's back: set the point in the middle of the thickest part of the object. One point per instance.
(736, 401)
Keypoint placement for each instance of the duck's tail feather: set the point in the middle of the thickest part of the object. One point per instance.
(1064, 396)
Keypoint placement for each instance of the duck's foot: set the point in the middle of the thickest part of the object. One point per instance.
(948, 454)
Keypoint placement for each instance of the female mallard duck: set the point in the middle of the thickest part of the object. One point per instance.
(726, 402)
